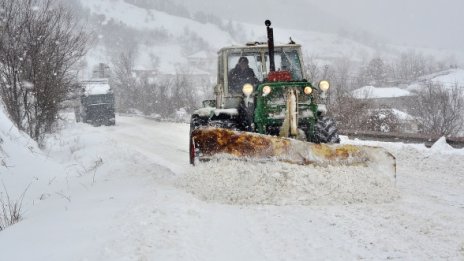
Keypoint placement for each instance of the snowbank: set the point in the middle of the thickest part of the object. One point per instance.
(441, 147)
(24, 168)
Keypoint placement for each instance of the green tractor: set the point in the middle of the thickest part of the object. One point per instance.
(271, 112)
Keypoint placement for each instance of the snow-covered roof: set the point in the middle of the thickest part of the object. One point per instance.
(371, 92)
(96, 87)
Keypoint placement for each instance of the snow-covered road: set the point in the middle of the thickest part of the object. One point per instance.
(128, 193)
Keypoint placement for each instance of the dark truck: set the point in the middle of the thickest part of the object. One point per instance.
(96, 103)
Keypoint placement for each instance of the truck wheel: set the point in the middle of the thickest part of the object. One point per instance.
(325, 131)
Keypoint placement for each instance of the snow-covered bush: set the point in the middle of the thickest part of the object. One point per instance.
(382, 120)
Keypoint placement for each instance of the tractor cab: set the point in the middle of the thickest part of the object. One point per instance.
(288, 68)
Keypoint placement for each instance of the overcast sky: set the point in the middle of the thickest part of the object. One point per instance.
(420, 23)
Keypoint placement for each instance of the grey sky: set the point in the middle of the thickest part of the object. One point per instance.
(420, 23)
(435, 23)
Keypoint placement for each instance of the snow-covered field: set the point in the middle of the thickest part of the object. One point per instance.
(128, 193)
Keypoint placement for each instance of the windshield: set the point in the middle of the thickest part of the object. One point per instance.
(287, 61)
(244, 68)
(253, 62)
(98, 99)
(256, 67)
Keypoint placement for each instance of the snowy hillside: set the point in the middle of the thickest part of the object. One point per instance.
(168, 50)
(128, 193)
(145, 19)
(448, 79)
(171, 50)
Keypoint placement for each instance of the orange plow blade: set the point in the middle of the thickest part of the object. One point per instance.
(209, 143)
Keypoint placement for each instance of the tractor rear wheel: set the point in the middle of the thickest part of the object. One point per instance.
(325, 131)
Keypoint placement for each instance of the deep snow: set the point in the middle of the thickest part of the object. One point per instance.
(248, 183)
(119, 193)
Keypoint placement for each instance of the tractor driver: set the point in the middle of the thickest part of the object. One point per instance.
(240, 75)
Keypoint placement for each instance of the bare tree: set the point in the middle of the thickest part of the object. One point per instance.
(410, 66)
(163, 104)
(440, 110)
(376, 71)
(124, 82)
(39, 44)
(313, 69)
(348, 111)
(183, 93)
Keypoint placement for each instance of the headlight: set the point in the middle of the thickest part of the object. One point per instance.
(247, 89)
(266, 90)
(324, 85)
(308, 90)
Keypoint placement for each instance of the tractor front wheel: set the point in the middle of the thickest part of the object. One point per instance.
(195, 122)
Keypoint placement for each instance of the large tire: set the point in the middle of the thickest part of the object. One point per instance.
(325, 131)
(195, 122)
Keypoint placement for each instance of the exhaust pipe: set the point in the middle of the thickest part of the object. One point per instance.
(270, 45)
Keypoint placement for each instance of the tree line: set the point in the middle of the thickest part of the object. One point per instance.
(152, 93)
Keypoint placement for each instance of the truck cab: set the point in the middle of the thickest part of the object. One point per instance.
(96, 103)
(287, 60)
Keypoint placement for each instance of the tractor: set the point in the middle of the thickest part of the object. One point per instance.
(273, 113)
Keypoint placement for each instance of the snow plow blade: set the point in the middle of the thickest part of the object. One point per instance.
(209, 143)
